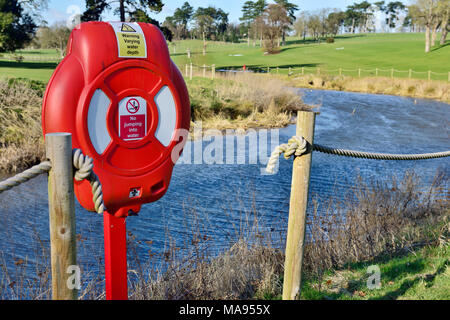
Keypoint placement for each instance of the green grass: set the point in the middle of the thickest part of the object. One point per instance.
(420, 275)
(402, 51)
(38, 64)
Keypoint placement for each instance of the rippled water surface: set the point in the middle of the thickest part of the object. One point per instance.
(221, 196)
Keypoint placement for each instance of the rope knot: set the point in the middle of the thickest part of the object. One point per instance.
(84, 166)
(296, 146)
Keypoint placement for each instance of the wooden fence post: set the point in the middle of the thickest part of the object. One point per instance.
(376, 72)
(290, 72)
(297, 209)
(359, 72)
(213, 71)
(190, 73)
(61, 204)
(187, 72)
(303, 71)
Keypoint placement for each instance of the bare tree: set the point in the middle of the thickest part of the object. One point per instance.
(427, 10)
(445, 14)
(275, 19)
(54, 37)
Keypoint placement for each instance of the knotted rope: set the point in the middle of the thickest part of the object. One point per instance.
(298, 146)
(295, 146)
(84, 166)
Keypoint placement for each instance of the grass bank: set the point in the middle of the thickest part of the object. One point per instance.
(421, 273)
(242, 101)
(412, 226)
(415, 88)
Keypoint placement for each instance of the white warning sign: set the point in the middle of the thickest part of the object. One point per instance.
(132, 118)
(130, 40)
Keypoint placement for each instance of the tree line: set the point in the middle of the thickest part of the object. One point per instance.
(262, 23)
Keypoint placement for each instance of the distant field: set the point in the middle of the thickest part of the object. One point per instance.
(369, 51)
(366, 51)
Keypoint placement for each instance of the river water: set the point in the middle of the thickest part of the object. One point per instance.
(217, 200)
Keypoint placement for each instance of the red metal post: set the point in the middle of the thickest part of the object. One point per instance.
(115, 257)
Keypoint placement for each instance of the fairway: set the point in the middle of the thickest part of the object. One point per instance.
(401, 51)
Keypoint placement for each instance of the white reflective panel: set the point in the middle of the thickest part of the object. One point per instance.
(167, 114)
(98, 131)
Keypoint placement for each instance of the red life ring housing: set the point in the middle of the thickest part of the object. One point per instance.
(124, 101)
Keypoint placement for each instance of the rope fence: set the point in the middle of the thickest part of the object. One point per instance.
(298, 146)
(83, 171)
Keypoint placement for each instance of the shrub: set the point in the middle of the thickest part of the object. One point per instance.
(18, 58)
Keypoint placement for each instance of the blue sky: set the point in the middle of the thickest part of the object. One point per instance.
(60, 10)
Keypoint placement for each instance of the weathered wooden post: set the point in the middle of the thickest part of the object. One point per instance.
(303, 71)
(190, 73)
(187, 72)
(359, 72)
(297, 209)
(61, 204)
(213, 71)
(376, 72)
(289, 73)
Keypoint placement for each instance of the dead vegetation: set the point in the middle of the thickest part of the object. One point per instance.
(416, 88)
(242, 101)
(377, 218)
(21, 143)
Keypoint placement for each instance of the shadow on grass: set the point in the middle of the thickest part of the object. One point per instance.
(263, 68)
(427, 278)
(28, 65)
(438, 47)
(322, 40)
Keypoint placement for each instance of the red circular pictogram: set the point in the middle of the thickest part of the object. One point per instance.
(133, 105)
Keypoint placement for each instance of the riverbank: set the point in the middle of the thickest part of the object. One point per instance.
(408, 239)
(414, 88)
(413, 228)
